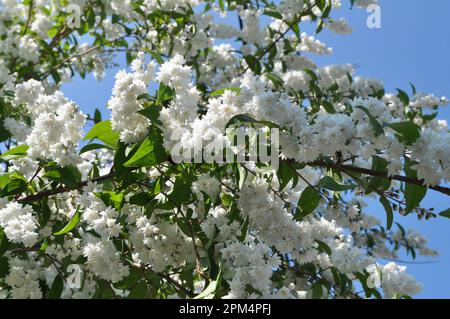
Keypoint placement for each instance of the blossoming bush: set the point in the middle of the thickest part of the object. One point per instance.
(110, 213)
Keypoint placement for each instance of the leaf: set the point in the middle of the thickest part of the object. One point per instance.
(273, 14)
(182, 192)
(317, 291)
(445, 213)
(285, 174)
(403, 96)
(69, 175)
(97, 116)
(112, 199)
(324, 247)
(56, 289)
(211, 291)
(309, 200)
(389, 212)
(414, 194)
(222, 91)
(4, 267)
(4, 243)
(413, 87)
(150, 153)
(328, 106)
(103, 132)
(408, 131)
(377, 127)
(253, 64)
(165, 94)
(13, 186)
(71, 225)
(93, 146)
(241, 119)
(141, 199)
(329, 183)
(156, 56)
(376, 183)
(152, 113)
(15, 152)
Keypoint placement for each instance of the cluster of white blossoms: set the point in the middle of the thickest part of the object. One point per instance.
(123, 218)
(395, 280)
(103, 259)
(23, 278)
(6, 79)
(56, 124)
(250, 265)
(124, 104)
(19, 224)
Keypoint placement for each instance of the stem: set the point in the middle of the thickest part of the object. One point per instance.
(366, 171)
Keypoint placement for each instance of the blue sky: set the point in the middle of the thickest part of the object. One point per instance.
(413, 45)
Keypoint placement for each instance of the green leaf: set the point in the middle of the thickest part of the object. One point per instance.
(317, 291)
(4, 243)
(97, 116)
(103, 132)
(4, 267)
(56, 289)
(14, 187)
(165, 94)
(152, 113)
(245, 119)
(93, 146)
(285, 173)
(211, 291)
(409, 132)
(69, 175)
(309, 200)
(150, 153)
(15, 152)
(323, 247)
(414, 194)
(156, 56)
(328, 106)
(445, 213)
(329, 183)
(140, 291)
(376, 183)
(253, 64)
(71, 225)
(222, 91)
(377, 127)
(182, 192)
(389, 212)
(112, 199)
(403, 96)
(273, 14)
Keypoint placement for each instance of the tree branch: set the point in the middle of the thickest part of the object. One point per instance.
(65, 189)
(366, 171)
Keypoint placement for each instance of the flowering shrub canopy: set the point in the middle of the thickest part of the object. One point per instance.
(108, 211)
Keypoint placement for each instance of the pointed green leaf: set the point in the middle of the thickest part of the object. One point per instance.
(71, 225)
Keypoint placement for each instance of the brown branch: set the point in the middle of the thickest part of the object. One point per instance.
(65, 189)
(366, 171)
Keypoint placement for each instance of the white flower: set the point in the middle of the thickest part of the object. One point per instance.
(19, 224)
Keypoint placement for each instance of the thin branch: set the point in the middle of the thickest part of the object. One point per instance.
(65, 189)
(366, 171)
